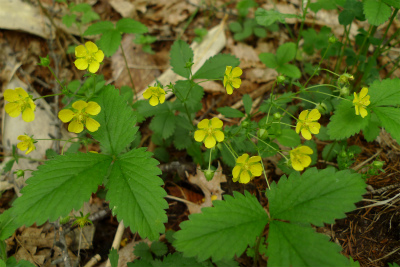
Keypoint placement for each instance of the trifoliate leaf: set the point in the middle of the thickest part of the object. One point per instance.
(159, 248)
(113, 257)
(289, 138)
(188, 93)
(163, 124)
(308, 198)
(247, 103)
(294, 245)
(109, 42)
(214, 67)
(215, 232)
(352, 9)
(181, 53)
(142, 250)
(60, 185)
(99, 28)
(117, 122)
(269, 60)
(230, 112)
(68, 19)
(127, 25)
(389, 118)
(285, 53)
(289, 70)
(376, 12)
(133, 179)
(344, 122)
(385, 93)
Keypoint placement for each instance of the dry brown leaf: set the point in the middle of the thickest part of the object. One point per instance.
(213, 87)
(261, 75)
(247, 55)
(127, 9)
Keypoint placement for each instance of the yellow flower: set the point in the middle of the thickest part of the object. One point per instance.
(80, 116)
(231, 79)
(361, 102)
(20, 101)
(210, 132)
(299, 157)
(307, 123)
(88, 56)
(156, 95)
(246, 168)
(27, 142)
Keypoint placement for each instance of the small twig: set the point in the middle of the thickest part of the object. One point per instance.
(180, 200)
(359, 166)
(93, 261)
(117, 239)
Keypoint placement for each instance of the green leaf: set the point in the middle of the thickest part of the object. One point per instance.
(389, 118)
(117, 122)
(393, 3)
(182, 138)
(372, 130)
(109, 42)
(289, 70)
(159, 248)
(133, 179)
(60, 185)
(127, 25)
(293, 245)
(113, 257)
(289, 138)
(68, 19)
(214, 67)
(260, 32)
(161, 153)
(8, 224)
(12, 262)
(190, 93)
(344, 122)
(163, 124)
(142, 250)
(8, 166)
(322, 4)
(235, 27)
(181, 53)
(99, 28)
(385, 93)
(89, 17)
(308, 198)
(376, 12)
(269, 60)
(285, 53)
(330, 151)
(247, 103)
(83, 7)
(268, 17)
(230, 112)
(211, 233)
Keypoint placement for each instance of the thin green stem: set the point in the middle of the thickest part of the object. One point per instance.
(55, 76)
(319, 65)
(233, 154)
(209, 160)
(129, 73)
(46, 96)
(339, 62)
(284, 110)
(269, 146)
(94, 84)
(305, 10)
(263, 167)
(329, 95)
(378, 51)
(305, 100)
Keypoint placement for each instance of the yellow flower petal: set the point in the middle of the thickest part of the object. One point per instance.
(314, 115)
(23, 137)
(305, 150)
(254, 159)
(242, 159)
(92, 125)
(256, 169)
(93, 108)
(297, 165)
(66, 115)
(363, 112)
(216, 123)
(80, 51)
(91, 47)
(203, 124)
(10, 95)
(219, 135)
(364, 92)
(153, 101)
(31, 104)
(299, 126)
(28, 115)
(305, 161)
(356, 107)
(225, 81)
(236, 82)
(229, 89)
(13, 109)
(235, 172)
(75, 126)
(210, 142)
(81, 64)
(314, 127)
(79, 105)
(228, 70)
(199, 135)
(303, 115)
(21, 92)
(31, 148)
(22, 145)
(94, 66)
(147, 94)
(244, 177)
(162, 98)
(99, 56)
(236, 72)
(306, 133)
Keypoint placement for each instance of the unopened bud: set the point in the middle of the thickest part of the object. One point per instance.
(44, 61)
(378, 164)
(245, 124)
(280, 79)
(321, 107)
(262, 134)
(344, 78)
(20, 173)
(209, 174)
(332, 40)
(344, 91)
(277, 116)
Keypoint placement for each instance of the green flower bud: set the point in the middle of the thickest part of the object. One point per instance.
(332, 40)
(377, 164)
(44, 61)
(245, 124)
(277, 116)
(20, 173)
(344, 78)
(351, 154)
(262, 134)
(64, 220)
(343, 154)
(280, 79)
(344, 91)
(209, 174)
(322, 107)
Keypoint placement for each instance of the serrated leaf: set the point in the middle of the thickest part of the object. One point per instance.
(247, 103)
(83, 7)
(344, 122)
(181, 53)
(293, 245)
(8, 224)
(12, 262)
(372, 130)
(117, 122)
(89, 17)
(268, 17)
(213, 233)
(8, 166)
(376, 12)
(68, 19)
(133, 179)
(308, 198)
(269, 60)
(182, 138)
(143, 250)
(330, 151)
(289, 138)
(214, 67)
(109, 42)
(128, 25)
(285, 53)
(389, 118)
(385, 92)
(393, 3)
(99, 28)
(230, 112)
(189, 93)
(159, 248)
(60, 185)
(113, 257)
(289, 70)
(163, 124)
